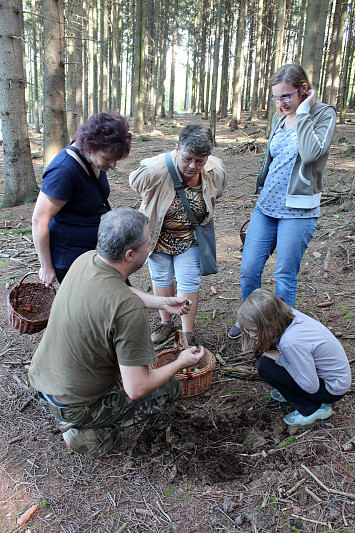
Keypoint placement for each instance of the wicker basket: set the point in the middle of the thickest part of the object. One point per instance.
(194, 381)
(243, 231)
(29, 305)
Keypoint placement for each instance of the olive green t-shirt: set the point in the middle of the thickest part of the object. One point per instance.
(96, 323)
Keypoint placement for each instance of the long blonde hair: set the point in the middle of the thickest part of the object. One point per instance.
(266, 313)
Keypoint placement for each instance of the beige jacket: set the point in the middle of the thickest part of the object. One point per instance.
(153, 183)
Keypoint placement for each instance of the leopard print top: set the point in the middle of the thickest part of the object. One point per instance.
(176, 234)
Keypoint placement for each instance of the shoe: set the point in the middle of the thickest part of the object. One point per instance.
(294, 418)
(162, 332)
(276, 395)
(234, 332)
(86, 442)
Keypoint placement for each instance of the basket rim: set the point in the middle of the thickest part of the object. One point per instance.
(195, 373)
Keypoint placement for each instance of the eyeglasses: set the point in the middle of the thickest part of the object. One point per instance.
(253, 335)
(283, 99)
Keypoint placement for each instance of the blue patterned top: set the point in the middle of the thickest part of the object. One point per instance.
(272, 197)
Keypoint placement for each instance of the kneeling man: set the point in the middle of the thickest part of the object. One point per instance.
(91, 367)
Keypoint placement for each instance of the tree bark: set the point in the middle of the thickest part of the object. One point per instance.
(276, 60)
(139, 71)
(35, 70)
(55, 132)
(215, 72)
(238, 66)
(255, 100)
(20, 182)
(347, 64)
(228, 20)
(313, 40)
(173, 61)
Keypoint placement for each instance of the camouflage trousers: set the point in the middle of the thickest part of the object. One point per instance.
(114, 411)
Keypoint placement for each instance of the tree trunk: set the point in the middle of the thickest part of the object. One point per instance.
(55, 132)
(93, 75)
(78, 54)
(310, 51)
(228, 20)
(215, 72)
(70, 79)
(86, 62)
(301, 29)
(202, 85)
(335, 50)
(238, 66)
(255, 101)
(35, 70)
(318, 55)
(103, 56)
(173, 61)
(347, 64)
(20, 182)
(249, 65)
(163, 48)
(276, 60)
(139, 41)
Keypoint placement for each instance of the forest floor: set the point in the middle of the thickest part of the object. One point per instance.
(224, 461)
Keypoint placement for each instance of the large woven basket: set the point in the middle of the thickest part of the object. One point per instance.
(194, 381)
(29, 305)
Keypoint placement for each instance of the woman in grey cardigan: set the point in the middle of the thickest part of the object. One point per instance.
(289, 185)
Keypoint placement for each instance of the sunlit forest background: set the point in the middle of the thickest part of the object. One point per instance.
(61, 61)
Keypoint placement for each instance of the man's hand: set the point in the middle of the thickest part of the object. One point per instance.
(139, 380)
(177, 306)
(191, 356)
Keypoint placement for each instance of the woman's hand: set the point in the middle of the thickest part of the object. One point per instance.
(45, 209)
(311, 98)
(47, 275)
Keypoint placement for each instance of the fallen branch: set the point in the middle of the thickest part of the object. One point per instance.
(295, 487)
(332, 491)
(314, 496)
(326, 263)
(310, 520)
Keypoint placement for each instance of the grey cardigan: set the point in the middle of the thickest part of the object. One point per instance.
(315, 132)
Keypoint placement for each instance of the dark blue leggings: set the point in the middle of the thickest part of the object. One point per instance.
(304, 402)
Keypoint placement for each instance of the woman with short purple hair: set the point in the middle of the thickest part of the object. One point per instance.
(70, 203)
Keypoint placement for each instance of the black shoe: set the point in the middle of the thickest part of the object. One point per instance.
(234, 332)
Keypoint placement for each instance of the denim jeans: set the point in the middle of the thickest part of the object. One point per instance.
(304, 402)
(185, 266)
(290, 236)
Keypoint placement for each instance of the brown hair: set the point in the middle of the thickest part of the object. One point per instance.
(266, 312)
(105, 131)
(293, 74)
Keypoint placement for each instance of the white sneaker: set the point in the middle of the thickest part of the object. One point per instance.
(295, 418)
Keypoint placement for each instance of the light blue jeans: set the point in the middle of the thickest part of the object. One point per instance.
(291, 237)
(186, 268)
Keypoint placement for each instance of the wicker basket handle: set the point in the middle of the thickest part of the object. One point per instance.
(36, 274)
(243, 231)
(180, 336)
